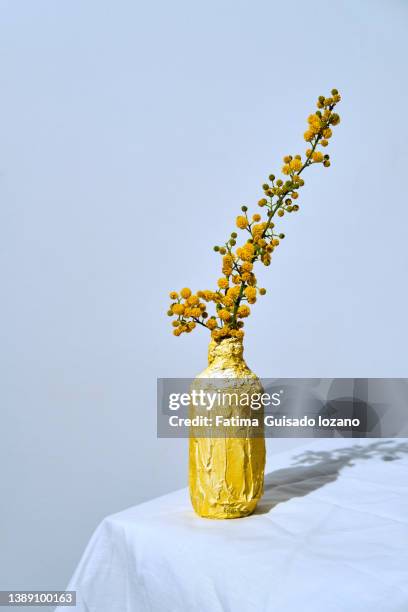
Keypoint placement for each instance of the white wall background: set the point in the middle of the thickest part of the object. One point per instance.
(131, 132)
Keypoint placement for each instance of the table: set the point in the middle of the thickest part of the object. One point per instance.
(330, 535)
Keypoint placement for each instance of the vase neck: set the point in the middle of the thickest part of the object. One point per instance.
(229, 349)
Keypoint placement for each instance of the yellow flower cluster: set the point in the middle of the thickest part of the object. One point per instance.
(239, 283)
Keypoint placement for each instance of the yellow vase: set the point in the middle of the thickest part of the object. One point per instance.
(226, 474)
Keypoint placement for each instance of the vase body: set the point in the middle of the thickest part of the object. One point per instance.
(226, 473)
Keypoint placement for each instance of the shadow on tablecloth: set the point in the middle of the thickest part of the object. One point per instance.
(314, 469)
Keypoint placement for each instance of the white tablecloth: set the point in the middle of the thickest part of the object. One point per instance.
(330, 535)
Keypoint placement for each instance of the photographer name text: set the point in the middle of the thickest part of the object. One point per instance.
(267, 421)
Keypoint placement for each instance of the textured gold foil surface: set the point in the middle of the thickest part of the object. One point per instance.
(226, 474)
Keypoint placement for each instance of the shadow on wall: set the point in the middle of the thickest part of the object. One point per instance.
(314, 469)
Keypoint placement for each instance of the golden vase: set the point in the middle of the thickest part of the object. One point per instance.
(226, 473)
